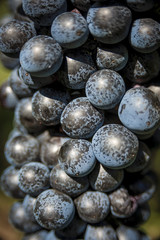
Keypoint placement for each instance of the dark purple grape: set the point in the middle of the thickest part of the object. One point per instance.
(18, 86)
(8, 98)
(13, 4)
(9, 183)
(82, 5)
(35, 82)
(23, 118)
(105, 88)
(40, 235)
(145, 35)
(70, 30)
(19, 219)
(42, 12)
(8, 62)
(28, 204)
(142, 68)
(48, 105)
(13, 36)
(50, 149)
(80, 119)
(142, 160)
(51, 236)
(109, 24)
(122, 204)
(105, 180)
(115, 146)
(34, 178)
(114, 57)
(64, 183)
(22, 149)
(73, 230)
(139, 110)
(41, 56)
(140, 6)
(92, 207)
(54, 210)
(104, 232)
(76, 157)
(77, 67)
(127, 233)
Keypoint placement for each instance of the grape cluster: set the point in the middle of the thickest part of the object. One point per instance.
(85, 93)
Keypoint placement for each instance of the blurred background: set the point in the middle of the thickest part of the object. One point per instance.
(152, 227)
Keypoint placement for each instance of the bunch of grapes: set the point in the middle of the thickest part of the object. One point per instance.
(86, 98)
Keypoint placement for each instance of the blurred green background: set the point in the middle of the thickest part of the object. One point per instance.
(152, 227)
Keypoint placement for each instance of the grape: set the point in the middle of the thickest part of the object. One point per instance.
(34, 178)
(80, 119)
(76, 68)
(21, 149)
(104, 232)
(28, 204)
(53, 209)
(18, 86)
(92, 207)
(115, 146)
(19, 219)
(109, 24)
(105, 88)
(48, 104)
(41, 56)
(13, 4)
(9, 183)
(42, 12)
(13, 36)
(140, 5)
(105, 180)
(8, 98)
(51, 236)
(82, 4)
(125, 233)
(122, 204)
(113, 57)
(76, 157)
(8, 62)
(71, 186)
(70, 30)
(145, 35)
(23, 118)
(139, 110)
(50, 149)
(40, 235)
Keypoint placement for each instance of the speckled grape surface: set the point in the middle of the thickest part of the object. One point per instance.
(80, 119)
(76, 157)
(14, 34)
(102, 232)
(9, 183)
(41, 56)
(105, 180)
(115, 146)
(48, 105)
(70, 30)
(76, 68)
(114, 57)
(92, 207)
(105, 88)
(34, 177)
(71, 186)
(53, 209)
(44, 11)
(145, 35)
(139, 110)
(109, 24)
(21, 149)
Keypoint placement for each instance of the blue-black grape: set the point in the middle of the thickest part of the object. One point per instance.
(140, 6)
(82, 5)
(53, 209)
(92, 206)
(80, 119)
(28, 204)
(40, 235)
(115, 146)
(105, 88)
(76, 157)
(70, 30)
(41, 56)
(8, 62)
(125, 233)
